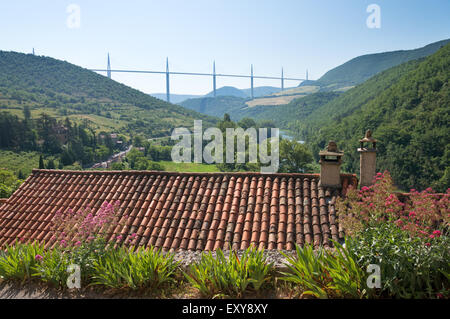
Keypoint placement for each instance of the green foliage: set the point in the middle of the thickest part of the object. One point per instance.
(324, 274)
(307, 271)
(143, 268)
(220, 276)
(294, 157)
(406, 108)
(409, 268)
(19, 261)
(408, 240)
(53, 267)
(8, 183)
(138, 161)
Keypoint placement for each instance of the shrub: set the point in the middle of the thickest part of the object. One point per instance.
(408, 240)
(84, 234)
(121, 268)
(20, 260)
(324, 273)
(52, 268)
(409, 267)
(8, 183)
(220, 276)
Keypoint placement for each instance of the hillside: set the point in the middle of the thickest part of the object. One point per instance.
(228, 91)
(175, 98)
(62, 89)
(361, 68)
(284, 116)
(215, 106)
(407, 108)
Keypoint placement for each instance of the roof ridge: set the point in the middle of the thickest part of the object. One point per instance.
(151, 172)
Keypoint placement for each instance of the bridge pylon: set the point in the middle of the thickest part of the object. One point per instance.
(251, 79)
(167, 81)
(214, 78)
(108, 68)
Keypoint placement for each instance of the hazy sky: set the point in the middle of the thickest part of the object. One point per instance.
(298, 35)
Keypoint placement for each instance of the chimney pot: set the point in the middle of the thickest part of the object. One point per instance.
(367, 159)
(330, 166)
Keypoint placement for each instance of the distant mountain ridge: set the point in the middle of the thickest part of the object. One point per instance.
(222, 91)
(361, 68)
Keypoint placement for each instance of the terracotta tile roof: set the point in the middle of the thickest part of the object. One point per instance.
(193, 211)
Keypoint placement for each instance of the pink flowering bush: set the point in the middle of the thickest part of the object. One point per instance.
(73, 229)
(420, 215)
(84, 235)
(408, 239)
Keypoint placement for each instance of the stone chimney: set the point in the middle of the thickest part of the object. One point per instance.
(367, 159)
(330, 166)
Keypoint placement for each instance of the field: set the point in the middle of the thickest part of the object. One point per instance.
(23, 161)
(284, 97)
(188, 167)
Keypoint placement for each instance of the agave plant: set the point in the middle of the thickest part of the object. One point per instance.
(220, 276)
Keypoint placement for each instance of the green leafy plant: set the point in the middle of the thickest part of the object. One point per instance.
(325, 273)
(52, 268)
(123, 268)
(220, 276)
(19, 261)
(307, 270)
(409, 268)
(347, 277)
(408, 240)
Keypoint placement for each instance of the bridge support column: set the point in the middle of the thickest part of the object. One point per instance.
(167, 80)
(214, 78)
(282, 80)
(108, 68)
(251, 80)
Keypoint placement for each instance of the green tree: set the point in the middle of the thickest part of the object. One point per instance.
(41, 162)
(294, 157)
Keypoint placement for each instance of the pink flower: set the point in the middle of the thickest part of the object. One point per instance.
(399, 222)
(63, 243)
(437, 233)
(365, 188)
(412, 214)
(431, 236)
(428, 244)
(78, 243)
(38, 258)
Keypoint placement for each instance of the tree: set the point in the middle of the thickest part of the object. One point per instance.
(26, 113)
(246, 123)
(41, 162)
(294, 157)
(51, 164)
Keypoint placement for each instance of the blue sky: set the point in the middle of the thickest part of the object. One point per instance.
(298, 35)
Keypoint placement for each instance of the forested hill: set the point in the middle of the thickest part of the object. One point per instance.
(361, 68)
(63, 89)
(407, 108)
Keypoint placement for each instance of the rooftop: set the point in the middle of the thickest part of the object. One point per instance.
(183, 211)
